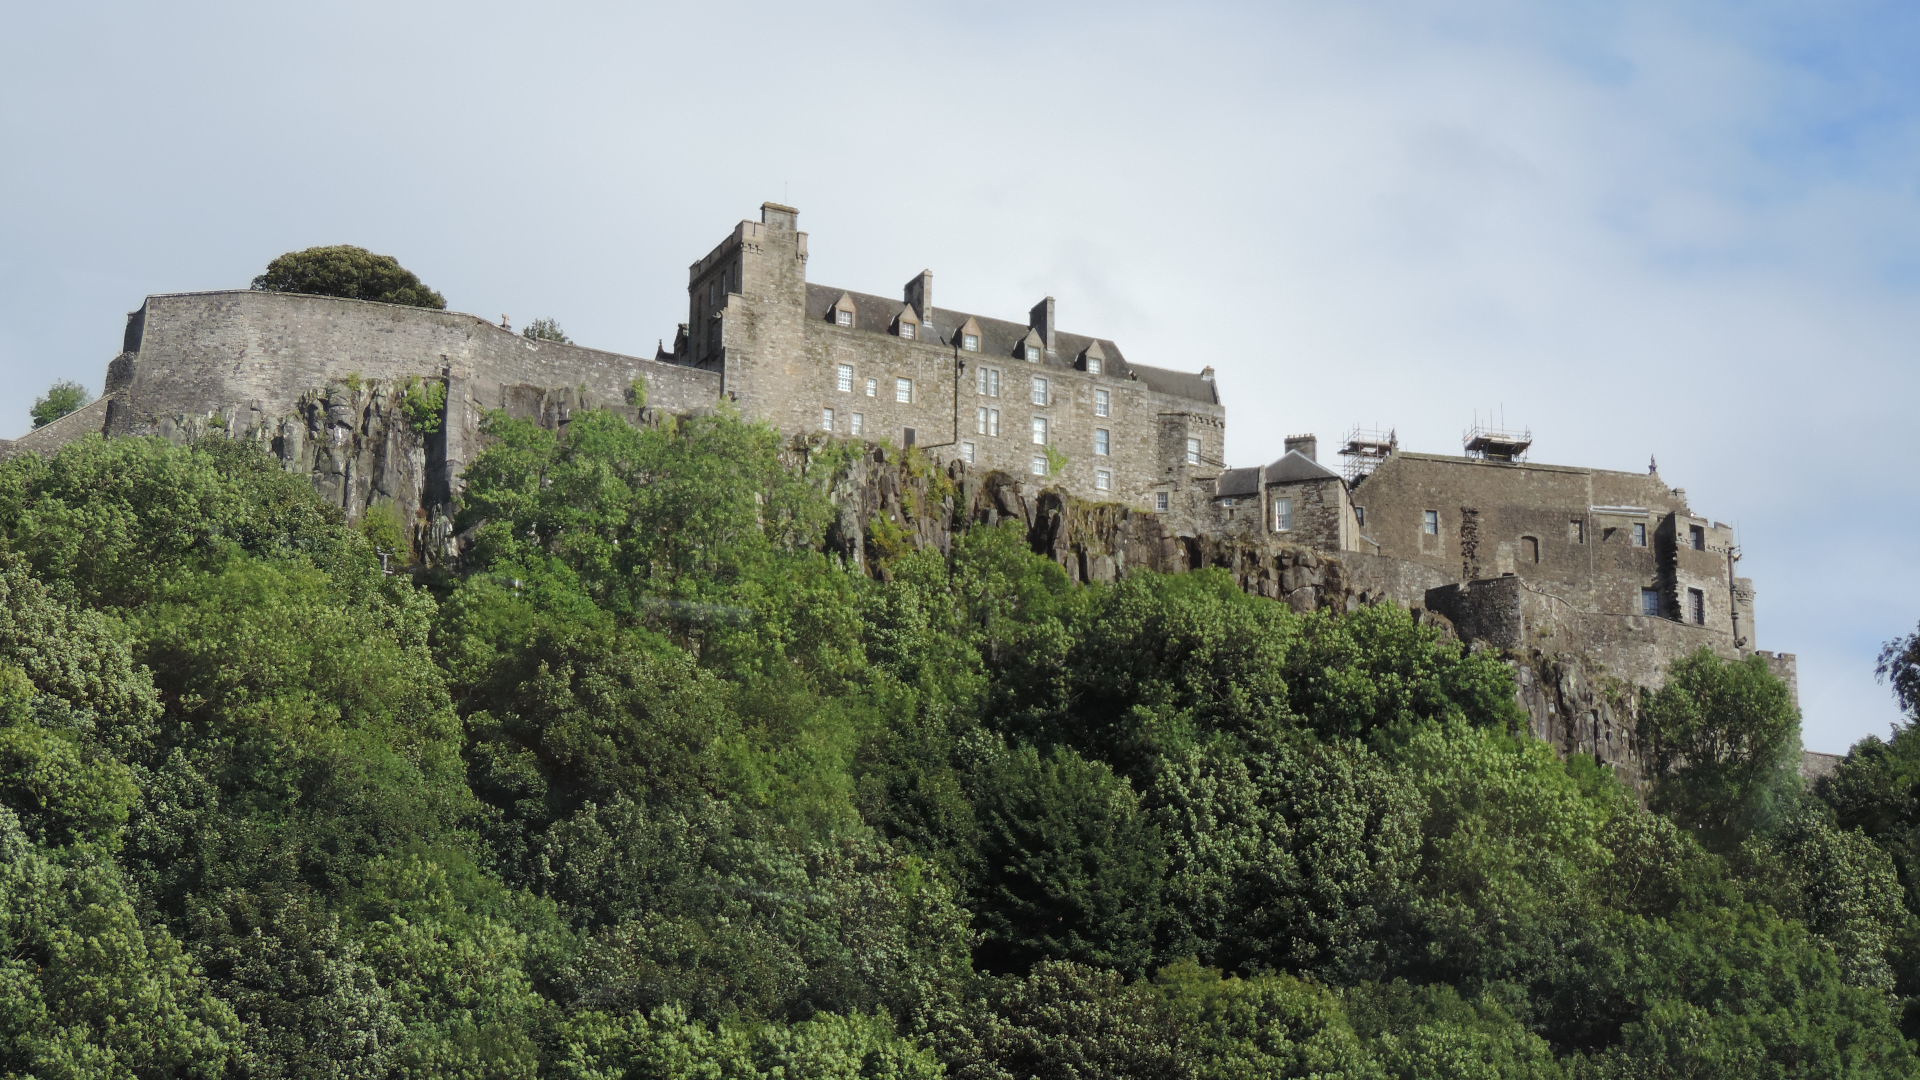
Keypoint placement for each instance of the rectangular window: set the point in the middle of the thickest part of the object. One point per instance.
(1697, 537)
(1102, 442)
(906, 331)
(1577, 531)
(1639, 534)
(826, 419)
(966, 452)
(1040, 430)
(986, 421)
(1697, 606)
(873, 387)
(1102, 480)
(1283, 515)
(1102, 403)
(1038, 466)
(1650, 602)
(987, 381)
(1430, 522)
(970, 342)
(1040, 392)
(1035, 352)
(1160, 501)
(843, 317)
(843, 379)
(1193, 451)
(1093, 365)
(903, 391)
(1360, 516)
(857, 423)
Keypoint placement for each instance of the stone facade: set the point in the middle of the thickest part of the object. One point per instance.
(1024, 398)
(1592, 580)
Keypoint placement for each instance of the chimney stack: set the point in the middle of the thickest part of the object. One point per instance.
(919, 296)
(1041, 320)
(777, 217)
(1308, 445)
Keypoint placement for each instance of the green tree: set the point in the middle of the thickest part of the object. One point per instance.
(1721, 741)
(545, 330)
(1900, 666)
(1072, 868)
(1285, 854)
(1263, 1025)
(1063, 1021)
(347, 271)
(60, 399)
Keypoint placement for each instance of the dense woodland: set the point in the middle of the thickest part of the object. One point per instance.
(649, 787)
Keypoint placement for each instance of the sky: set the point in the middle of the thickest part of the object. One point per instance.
(1683, 231)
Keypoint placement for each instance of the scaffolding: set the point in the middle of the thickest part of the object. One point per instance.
(1364, 449)
(1496, 444)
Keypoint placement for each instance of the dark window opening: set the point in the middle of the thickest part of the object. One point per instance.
(906, 438)
(1530, 548)
(1697, 537)
(1649, 601)
(1697, 606)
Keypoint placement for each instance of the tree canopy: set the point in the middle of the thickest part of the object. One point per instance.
(60, 399)
(649, 785)
(347, 271)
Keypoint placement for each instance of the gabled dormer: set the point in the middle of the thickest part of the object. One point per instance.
(843, 312)
(1093, 359)
(1032, 347)
(968, 336)
(906, 325)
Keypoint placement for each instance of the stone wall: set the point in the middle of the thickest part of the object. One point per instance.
(1595, 538)
(784, 354)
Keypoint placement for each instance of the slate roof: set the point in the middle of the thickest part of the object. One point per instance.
(1000, 339)
(1295, 467)
(1237, 482)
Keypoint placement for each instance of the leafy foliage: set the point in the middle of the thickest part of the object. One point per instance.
(545, 330)
(63, 397)
(1721, 740)
(347, 271)
(651, 785)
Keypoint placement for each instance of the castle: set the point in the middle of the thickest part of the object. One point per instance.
(1555, 560)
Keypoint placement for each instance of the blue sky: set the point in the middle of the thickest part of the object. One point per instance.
(1687, 231)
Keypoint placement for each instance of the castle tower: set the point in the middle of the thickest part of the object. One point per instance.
(746, 302)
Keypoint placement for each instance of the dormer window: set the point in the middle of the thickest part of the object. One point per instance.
(842, 310)
(1093, 358)
(1036, 353)
(970, 342)
(906, 331)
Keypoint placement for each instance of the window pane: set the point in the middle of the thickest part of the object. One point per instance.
(826, 419)
(1102, 442)
(1039, 391)
(1102, 480)
(844, 380)
(1038, 466)
(1102, 404)
(903, 390)
(857, 423)
(1040, 429)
